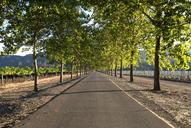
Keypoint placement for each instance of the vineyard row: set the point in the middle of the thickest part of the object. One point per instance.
(16, 74)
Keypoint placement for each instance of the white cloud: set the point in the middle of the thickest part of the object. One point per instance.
(1, 47)
(23, 51)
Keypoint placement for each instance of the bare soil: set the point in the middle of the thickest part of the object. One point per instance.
(173, 102)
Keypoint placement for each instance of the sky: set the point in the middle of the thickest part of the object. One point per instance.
(1, 47)
(23, 51)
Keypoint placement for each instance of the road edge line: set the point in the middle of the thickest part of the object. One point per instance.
(161, 118)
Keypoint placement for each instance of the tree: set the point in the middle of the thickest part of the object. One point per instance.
(27, 28)
(68, 36)
(63, 19)
(169, 19)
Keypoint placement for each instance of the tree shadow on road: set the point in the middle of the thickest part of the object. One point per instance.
(32, 94)
(110, 91)
(92, 91)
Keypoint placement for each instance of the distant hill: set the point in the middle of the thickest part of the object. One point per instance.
(143, 64)
(21, 61)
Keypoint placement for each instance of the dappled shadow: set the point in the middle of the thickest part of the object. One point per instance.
(58, 84)
(94, 81)
(93, 91)
(160, 92)
(23, 95)
(32, 94)
(147, 90)
(117, 90)
(139, 90)
(7, 108)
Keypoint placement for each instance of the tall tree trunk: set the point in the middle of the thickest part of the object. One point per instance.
(157, 70)
(6, 79)
(71, 71)
(35, 68)
(80, 70)
(111, 72)
(131, 72)
(115, 70)
(131, 66)
(85, 70)
(2, 80)
(77, 71)
(121, 68)
(61, 71)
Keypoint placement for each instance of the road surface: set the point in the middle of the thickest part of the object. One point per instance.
(95, 102)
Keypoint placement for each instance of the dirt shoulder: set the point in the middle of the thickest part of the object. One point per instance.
(18, 101)
(172, 103)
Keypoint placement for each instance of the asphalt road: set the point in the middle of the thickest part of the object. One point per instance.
(95, 102)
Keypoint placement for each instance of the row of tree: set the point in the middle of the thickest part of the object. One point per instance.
(161, 28)
(56, 28)
(109, 39)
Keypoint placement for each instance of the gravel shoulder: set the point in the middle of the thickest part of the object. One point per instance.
(18, 101)
(172, 102)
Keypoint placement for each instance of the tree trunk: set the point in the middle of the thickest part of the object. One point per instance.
(156, 70)
(35, 68)
(121, 68)
(115, 70)
(77, 72)
(2, 80)
(131, 66)
(131, 72)
(80, 70)
(61, 71)
(71, 71)
(5, 81)
(111, 72)
(188, 77)
(85, 70)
